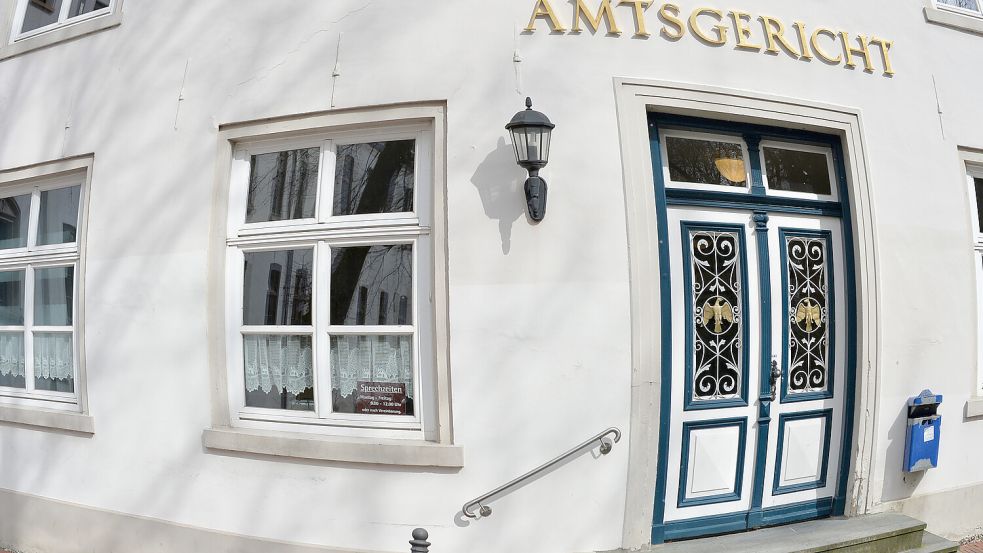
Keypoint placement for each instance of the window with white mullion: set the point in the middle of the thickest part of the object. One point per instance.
(14, 371)
(277, 334)
(50, 328)
(38, 290)
(974, 186)
(273, 329)
(372, 330)
(363, 228)
(38, 16)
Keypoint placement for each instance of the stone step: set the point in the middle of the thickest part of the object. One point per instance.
(878, 533)
(935, 544)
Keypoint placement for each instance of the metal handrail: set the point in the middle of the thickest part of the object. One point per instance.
(485, 510)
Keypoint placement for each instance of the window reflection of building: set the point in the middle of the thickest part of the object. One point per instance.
(10, 219)
(375, 177)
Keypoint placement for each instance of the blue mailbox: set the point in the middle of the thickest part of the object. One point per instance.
(922, 440)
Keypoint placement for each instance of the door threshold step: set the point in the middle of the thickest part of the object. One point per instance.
(935, 544)
(878, 533)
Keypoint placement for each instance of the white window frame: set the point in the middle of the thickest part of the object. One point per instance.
(63, 19)
(975, 171)
(14, 43)
(35, 180)
(795, 146)
(978, 13)
(323, 232)
(955, 17)
(707, 137)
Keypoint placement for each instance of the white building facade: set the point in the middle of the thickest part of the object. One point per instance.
(268, 281)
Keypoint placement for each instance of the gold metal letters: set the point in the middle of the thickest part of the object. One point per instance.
(580, 11)
(694, 26)
(542, 9)
(770, 36)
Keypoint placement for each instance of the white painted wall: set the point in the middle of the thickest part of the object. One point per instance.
(532, 307)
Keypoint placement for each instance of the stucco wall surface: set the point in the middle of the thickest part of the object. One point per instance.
(539, 314)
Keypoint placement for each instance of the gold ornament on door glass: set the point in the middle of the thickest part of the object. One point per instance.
(808, 312)
(717, 313)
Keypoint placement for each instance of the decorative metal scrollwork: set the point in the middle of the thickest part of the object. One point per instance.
(808, 314)
(717, 314)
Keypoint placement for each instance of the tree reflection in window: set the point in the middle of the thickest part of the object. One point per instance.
(282, 185)
(705, 162)
(964, 4)
(797, 171)
(277, 287)
(374, 177)
(371, 284)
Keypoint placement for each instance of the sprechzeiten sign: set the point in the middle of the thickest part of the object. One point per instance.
(712, 26)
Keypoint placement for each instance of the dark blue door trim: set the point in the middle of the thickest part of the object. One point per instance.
(662, 218)
(662, 531)
(735, 522)
(760, 218)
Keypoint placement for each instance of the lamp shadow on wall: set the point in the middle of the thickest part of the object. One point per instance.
(499, 183)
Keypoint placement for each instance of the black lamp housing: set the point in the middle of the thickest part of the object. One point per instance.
(531, 139)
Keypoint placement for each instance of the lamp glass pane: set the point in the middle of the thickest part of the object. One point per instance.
(521, 148)
(547, 134)
(534, 139)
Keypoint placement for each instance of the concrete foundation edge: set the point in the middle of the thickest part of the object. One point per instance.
(33, 524)
(953, 514)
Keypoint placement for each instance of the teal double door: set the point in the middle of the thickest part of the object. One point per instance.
(757, 328)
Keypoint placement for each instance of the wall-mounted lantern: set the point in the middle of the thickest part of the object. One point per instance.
(531, 138)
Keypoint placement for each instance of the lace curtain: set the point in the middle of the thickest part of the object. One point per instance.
(53, 356)
(371, 359)
(12, 354)
(278, 362)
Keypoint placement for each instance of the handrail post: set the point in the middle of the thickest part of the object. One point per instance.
(419, 543)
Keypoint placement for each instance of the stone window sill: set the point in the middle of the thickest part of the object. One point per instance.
(974, 407)
(62, 34)
(48, 418)
(334, 448)
(953, 19)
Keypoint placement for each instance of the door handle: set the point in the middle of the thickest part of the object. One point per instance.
(776, 373)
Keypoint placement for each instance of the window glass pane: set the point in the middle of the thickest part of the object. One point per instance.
(705, 161)
(372, 375)
(375, 177)
(12, 298)
(279, 372)
(59, 215)
(53, 367)
(53, 293)
(797, 171)
(966, 4)
(12, 360)
(40, 13)
(14, 215)
(372, 285)
(277, 287)
(979, 201)
(81, 7)
(282, 185)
